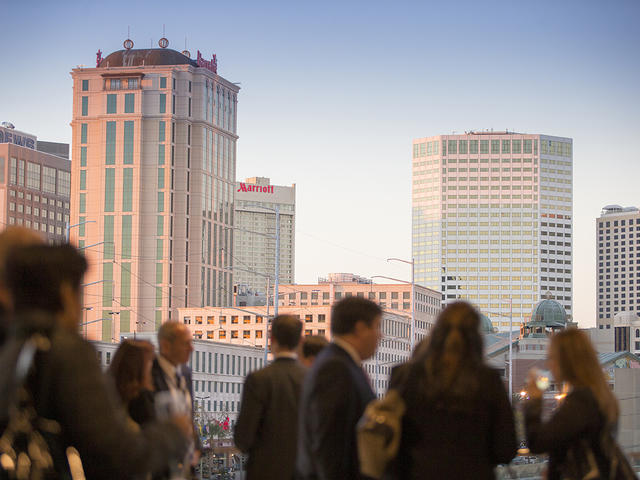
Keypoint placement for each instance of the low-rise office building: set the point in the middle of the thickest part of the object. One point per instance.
(35, 186)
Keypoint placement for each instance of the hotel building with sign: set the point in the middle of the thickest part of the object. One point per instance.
(254, 237)
(153, 178)
(492, 220)
(34, 185)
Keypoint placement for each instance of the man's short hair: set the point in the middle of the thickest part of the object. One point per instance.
(286, 330)
(168, 331)
(349, 311)
(35, 274)
(312, 345)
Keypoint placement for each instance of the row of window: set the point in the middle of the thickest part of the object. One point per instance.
(37, 199)
(224, 364)
(473, 147)
(37, 177)
(43, 227)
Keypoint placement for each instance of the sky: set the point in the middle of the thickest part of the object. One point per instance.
(334, 92)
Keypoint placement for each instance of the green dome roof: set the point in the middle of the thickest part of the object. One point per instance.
(549, 313)
(486, 325)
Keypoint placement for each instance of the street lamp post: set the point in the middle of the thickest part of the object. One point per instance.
(69, 227)
(413, 297)
(412, 326)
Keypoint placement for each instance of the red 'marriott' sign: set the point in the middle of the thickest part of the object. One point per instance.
(211, 65)
(255, 188)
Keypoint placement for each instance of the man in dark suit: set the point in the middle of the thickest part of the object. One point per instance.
(267, 426)
(336, 392)
(170, 371)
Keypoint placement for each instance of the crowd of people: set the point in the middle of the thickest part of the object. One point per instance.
(299, 415)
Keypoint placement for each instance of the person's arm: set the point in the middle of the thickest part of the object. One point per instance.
(95, 422)
(331, 401)
(572, 418)
(504, 444)
(251, 413)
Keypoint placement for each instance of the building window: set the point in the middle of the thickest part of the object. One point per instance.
(163, 102)
(49, 179)
(83, 133)
(85, 106)
(129, 103)
(128, 143)
(110, 149)
(111, 102)
(85, 85)
(163, 82)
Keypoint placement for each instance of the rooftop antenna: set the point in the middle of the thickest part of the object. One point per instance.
(163, 42)
(186, 52)
(128, 43)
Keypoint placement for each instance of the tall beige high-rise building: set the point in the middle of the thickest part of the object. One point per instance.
(254, 238)
(492, 220)
(153, 176)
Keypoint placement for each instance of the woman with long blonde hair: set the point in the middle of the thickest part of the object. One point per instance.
(589, 409)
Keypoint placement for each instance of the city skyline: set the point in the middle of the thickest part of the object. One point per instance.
(352, 84)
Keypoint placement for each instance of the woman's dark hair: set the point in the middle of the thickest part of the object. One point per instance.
(34, 275)
(128, 368)
(453, 355)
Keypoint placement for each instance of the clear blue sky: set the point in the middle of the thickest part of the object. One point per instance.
(333, 93)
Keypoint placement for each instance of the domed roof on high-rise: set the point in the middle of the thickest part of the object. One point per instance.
(486, 325)
(549, 313)
(144, 57)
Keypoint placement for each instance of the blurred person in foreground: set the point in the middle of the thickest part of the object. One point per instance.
(588, 409)
(11, 237)
(268, 421)
(311, 346)
(171, 374)
(130, 370)
(68, 385)
(335, 393)
(458, 423)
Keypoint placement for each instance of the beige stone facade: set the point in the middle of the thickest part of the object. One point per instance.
(154, 153)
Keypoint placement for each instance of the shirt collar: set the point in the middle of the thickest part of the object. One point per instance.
(291, 355)
(347, 347)
(169, 369)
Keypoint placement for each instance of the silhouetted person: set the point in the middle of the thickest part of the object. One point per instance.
(267, 424)
(585, 413)
(312, 345)
(130, 369)
(10, 238)
(68, 384)
(336, 392)
(458, 423)
(170, 371)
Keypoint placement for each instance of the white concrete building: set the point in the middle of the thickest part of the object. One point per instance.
(492, 220)
(255, 253)
(618, 280)
(218, 372)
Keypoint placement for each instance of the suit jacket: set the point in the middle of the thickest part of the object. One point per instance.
(268, 421)
(334, 396)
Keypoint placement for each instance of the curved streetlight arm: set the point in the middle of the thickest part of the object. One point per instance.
(391, 278)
